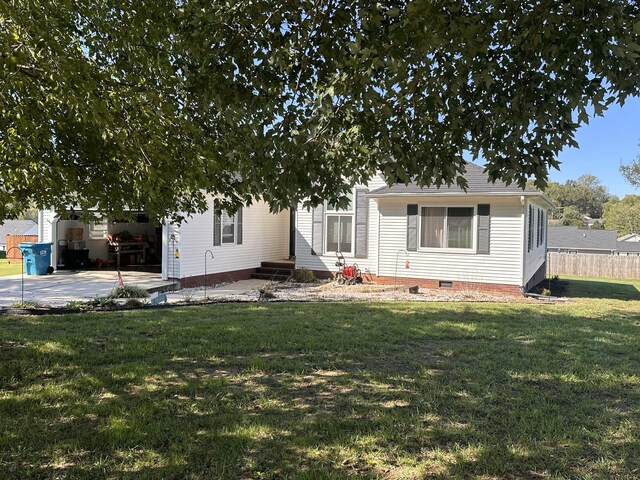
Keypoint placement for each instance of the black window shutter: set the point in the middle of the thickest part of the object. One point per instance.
(362, 214)
(239, 227)
(412, 228)
(530, 230)
(317, 233)
(484, 226)
(217, 229)
(217, 225)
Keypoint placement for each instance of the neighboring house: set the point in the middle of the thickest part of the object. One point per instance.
(630, 237)
(589, 222)
(600, 242)
(629, 248)
(16, 227)
(493, 237)
(582, 240)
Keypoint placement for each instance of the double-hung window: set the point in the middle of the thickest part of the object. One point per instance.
(227, 229)
(447, 227)
(339, 227)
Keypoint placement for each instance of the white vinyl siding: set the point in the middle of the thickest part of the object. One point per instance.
(326, 262)
(387, 227)
(535, 256)
(45, 227)
(265, 237)
(503, 265)
(171, 250)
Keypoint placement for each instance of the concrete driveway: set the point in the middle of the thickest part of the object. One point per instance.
(65, 286)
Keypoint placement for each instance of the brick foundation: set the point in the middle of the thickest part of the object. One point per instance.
(435, 284)
(215, 278)
(455, 285)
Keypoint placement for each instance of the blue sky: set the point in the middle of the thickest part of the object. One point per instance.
(605, 143)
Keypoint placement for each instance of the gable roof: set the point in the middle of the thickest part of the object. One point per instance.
(630, 237)
(575, 238)
(477, 180)
(17, 227)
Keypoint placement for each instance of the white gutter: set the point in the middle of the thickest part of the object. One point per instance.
(457, 194)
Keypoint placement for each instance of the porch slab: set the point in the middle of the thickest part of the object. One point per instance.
(65, 286)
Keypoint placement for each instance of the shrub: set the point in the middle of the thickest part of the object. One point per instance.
(28, 304)
(303, 275)
(130, 291)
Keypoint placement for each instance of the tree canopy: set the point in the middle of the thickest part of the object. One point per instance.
(632, 172)
(586, 195)
(150, 105)
(623, 215)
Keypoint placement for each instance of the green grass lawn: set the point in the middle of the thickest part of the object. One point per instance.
(13, 268)
(321, 391)
(605, 288)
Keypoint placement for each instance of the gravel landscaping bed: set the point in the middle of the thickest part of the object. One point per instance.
(332, 291)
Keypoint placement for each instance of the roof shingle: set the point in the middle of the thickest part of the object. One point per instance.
(575, 238)
(477, 180)
(17, 227)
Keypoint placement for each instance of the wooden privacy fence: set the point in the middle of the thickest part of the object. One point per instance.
(15, 240)
(593, 265)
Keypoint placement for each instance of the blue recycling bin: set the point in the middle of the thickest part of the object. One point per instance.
(36, 257)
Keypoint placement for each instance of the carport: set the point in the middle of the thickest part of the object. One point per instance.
(132, 244)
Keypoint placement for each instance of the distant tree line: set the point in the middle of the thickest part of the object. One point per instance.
(588, 197)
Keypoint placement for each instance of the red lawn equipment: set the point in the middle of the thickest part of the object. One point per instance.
(347, 274)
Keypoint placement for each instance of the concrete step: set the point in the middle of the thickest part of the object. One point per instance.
(274, 271)
(273, 278)
(281, 265)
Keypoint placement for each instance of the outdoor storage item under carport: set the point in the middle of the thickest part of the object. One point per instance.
(36, 257)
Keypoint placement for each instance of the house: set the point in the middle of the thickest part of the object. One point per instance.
(630, 237)
(598, 242)
(570, 239)
(628, 248)
(629, 244)
(590, 222)
(235, 245)
(16, 227)
(491, 237)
